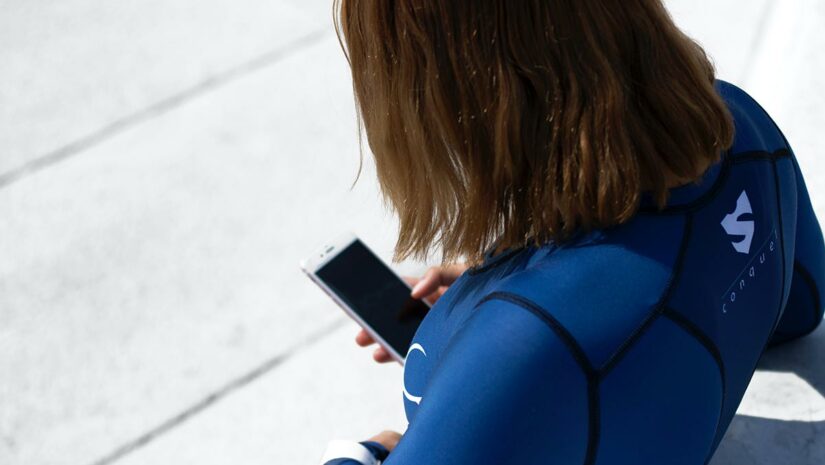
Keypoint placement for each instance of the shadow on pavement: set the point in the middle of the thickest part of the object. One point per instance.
(763, 441)
(803, 357)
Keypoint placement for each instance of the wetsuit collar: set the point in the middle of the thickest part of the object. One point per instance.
(684, 195)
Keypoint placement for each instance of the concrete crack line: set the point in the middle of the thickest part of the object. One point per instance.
(158, 108)
(218, 395)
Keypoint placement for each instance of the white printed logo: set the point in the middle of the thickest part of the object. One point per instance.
(734, 227)
(410, 397)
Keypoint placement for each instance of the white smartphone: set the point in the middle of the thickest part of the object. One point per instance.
(369, 291)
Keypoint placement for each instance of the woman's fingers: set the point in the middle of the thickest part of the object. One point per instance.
(381, 355)
(436, 280)
(428, 284)
(429, 287)
(363, 338)
(410, 280)
(452, 272)
(430, 298)
(388, 439)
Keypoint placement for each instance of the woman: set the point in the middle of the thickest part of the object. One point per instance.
(638, 231)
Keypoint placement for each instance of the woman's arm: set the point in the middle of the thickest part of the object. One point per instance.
(507, 390)
(804, 309)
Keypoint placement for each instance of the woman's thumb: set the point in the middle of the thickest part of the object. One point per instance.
(429, 283)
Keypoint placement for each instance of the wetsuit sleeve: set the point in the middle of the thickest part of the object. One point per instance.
(354, 453)
(506, 390)
(804, 309)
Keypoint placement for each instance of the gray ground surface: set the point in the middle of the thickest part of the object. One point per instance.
(164, 166)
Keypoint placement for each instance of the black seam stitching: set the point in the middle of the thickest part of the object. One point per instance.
(593, 420)
(787, 151)
(809, 279)
(713, 191)
(709, 345)
(631, 340)
(817, 315)
(747, 157)
(567, 338)
(782, 249)
(590, 374)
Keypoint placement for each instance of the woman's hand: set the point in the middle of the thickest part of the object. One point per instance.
(388, 439)
(429, 287)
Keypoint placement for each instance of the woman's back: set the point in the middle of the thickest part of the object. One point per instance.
(633, 344)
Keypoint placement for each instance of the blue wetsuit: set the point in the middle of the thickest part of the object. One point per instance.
(634, 344)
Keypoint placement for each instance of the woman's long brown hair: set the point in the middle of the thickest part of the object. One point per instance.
(519, 121)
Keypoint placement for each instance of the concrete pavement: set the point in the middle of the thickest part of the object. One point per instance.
(164, 166)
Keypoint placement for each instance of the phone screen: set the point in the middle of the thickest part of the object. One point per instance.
(375, 293)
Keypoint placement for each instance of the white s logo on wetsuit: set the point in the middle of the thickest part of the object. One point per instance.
(734, 227)
(414, 399)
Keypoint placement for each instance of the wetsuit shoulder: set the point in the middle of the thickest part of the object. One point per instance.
(755, 130)
(602, 292)
(508, 388)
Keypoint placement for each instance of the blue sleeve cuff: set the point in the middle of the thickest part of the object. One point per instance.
(378, 451)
